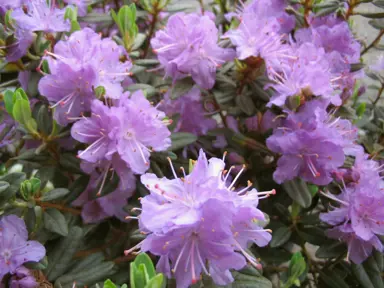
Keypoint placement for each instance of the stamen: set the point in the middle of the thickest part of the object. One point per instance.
(237, 177)
(172, 168)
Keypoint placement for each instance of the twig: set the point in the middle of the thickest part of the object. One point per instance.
(379, 95)
(152, 28)
(374, 43)
(58, 207)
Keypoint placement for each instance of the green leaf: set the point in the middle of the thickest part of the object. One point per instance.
(88, 276)
(109, 284)
(362, 276)
(181, 139)
(132, 273)
(143, 258)
(371, 15)
(332, 279)
(361, 109)
(248, 281)
(54, 194)
(3, 186)
(41, 265)
(44, 120)
(331, 250)
(246, 104)
(374, 272)
(9, 102)
(377, 23)
(147, 89)
(299, 192)
(22, 113)
(61, 254)
(147, 62)
(378, 3)
(155, 282)
(55, 221)
(100, 92)
(280, 236)
(297, 265)
(14, 180)
(181, 87)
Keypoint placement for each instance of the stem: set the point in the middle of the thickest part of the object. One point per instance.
(374, 43)
(9, 83)
(351, 5)
(202, 6)
(379, 95)
(58, 207)
(152, 28)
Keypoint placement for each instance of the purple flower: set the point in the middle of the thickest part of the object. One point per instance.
(358, 248)
(15, 249)
(9, 4)
(128, 129)
(191, 111)
(79, 65)
(23, 278)
(23, 39)
(99, 130)
(8, 132)
(256, 37)
(306, 74)
(97, 207)
(199, 219)
(82, 5)
(312, 144)
(263, 122)
(188, 46)
(69, 90)
(41, 17)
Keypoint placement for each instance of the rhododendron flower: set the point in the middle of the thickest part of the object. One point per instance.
(23, 39)
(188, 46)
(191, 111)
(312, 144)
(41, 17)
(131, 129)
(200, 219)
(15, 249)
(78, 66)
(358, 248)
(23, 278)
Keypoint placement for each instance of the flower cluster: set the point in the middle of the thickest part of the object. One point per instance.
(77, 67)
(312, 144)
(359, 218)
(198, 220)
(188, 46)
(130, 131)
(15, 249)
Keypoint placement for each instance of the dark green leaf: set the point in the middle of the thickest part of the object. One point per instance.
(181, 139)
(280, 236)
(362, 276)
(298, 190)
(88, 276)
(55, 221)
(181, 87)
(14, 180)
(246, 104)
(374, 272)
(377, 23)
(332, 279)
(148, 90)
(54, 194)
(331, 250)
(41, 265)
(378, 3)
(71, 163)
(61, 255)
(371, 15)
(3, 186)
(147, 62)
(44, 120)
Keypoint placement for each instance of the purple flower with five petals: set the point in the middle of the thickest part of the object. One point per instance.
(15, 249)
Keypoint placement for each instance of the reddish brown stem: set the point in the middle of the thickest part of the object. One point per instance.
(152, 28)
(58, 207)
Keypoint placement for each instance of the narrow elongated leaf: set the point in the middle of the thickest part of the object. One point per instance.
(331, 250)
(54, 194)
(374, 272)
(298, 190)
(181, 139)
(3, 186)
(362, 276)
(332, 279)
(55, 221)
(181, 87)
(280, 236)
(61, 255)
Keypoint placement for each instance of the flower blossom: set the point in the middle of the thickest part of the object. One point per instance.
(312, 144)
(200, 219)
(23, 278)
(132, 130)
(15, 249)
(191, 111)
(41, 17)
(96, 206)
(188, 46)
(79, 65)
